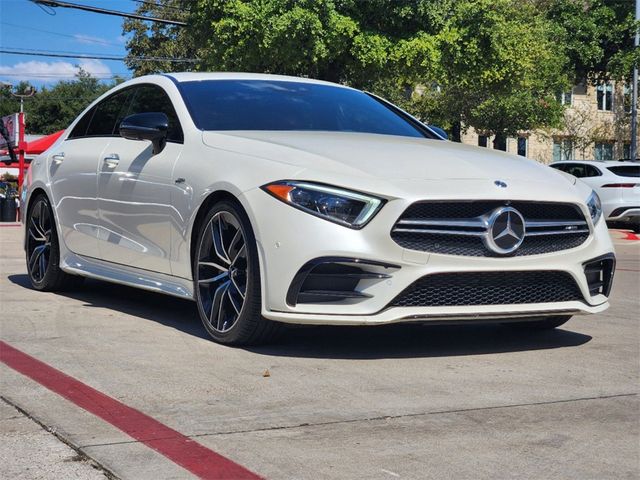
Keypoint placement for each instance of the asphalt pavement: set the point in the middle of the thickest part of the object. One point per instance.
(404, 401)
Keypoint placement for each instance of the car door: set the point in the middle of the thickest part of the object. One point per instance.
(134, 190)
(73, 166)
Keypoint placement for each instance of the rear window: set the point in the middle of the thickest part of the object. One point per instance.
(282, 105)
(626, 170)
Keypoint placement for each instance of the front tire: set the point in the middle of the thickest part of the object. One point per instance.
(43, 250)
(226, 277)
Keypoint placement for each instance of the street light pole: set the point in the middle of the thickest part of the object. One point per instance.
(634, 99)
(22, 145)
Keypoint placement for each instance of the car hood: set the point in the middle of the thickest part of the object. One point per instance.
(382, 156)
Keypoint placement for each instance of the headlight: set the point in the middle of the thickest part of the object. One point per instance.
(595, 207)
(351, 209)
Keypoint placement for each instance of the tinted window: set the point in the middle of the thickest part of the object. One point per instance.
(103, 123)
(575, 169)
(277, 105)
(591, 171)
(626, 170)
(80, 130)
(151, 98)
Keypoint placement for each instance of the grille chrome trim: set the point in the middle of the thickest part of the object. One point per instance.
(439, 232)
(432, 233)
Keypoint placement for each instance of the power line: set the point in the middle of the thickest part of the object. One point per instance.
(97, 57)
(93, 40)
(104, 11)
(162, 5)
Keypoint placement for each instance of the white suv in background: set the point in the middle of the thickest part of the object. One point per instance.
(617, 184)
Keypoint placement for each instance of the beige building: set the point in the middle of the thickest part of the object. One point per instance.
(597, 127)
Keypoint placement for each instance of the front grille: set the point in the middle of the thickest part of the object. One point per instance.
(459, 228)
(489, 288)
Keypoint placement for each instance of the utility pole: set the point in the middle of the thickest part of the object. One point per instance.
(634, 99)
(22, 144)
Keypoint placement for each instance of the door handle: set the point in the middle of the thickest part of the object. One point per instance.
(112, 160)
(58, 158)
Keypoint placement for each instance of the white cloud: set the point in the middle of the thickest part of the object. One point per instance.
(88, 39)
(50, 72)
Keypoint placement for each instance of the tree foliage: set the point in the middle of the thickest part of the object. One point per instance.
(494, 65)
(53, 109)
(151, 39)
(597, 36)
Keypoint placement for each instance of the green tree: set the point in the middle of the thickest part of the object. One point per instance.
(8, 103)
(491, 65)
(151, 39)
(52, 109)
(597, 36)
(500, 68)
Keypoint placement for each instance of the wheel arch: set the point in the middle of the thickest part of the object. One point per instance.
(211, 199)
(34, 193)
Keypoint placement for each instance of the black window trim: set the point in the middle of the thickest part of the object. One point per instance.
(92, 111)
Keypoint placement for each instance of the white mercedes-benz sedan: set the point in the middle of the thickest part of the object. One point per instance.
(616, 183)
(271, 200)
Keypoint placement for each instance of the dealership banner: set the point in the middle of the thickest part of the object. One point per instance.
(12, 125)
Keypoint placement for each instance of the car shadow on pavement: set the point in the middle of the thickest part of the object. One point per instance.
(340, 342)
(416, 340)
(166, 310)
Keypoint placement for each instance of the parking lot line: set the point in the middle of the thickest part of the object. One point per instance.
(180, 449)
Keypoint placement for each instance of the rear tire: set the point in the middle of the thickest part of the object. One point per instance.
(43, 250)
(548, 323)
(226, 275)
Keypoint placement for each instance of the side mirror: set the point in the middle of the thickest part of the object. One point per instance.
(439, 131)
(146, 126)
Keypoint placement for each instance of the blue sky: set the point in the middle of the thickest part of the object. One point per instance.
(24, 25)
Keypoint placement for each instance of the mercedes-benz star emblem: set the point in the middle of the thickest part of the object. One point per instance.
(506, 230)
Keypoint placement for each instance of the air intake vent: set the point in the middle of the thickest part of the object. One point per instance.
(599, 273)
(336, 280)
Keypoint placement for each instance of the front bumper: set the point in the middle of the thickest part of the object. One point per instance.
(289, 239)
(628, 214)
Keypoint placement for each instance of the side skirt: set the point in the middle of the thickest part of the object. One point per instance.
(127, 275)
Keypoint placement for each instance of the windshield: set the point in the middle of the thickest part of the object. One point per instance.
(280, 105)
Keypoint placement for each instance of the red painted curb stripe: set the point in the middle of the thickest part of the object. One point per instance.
(177, 447)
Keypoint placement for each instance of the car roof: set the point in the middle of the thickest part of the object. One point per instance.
(588, 162)
(200, 76)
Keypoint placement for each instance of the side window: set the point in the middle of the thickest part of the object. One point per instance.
(151, 98)
(80, 130)
(103, 123)
(559, 166)
(591, 171)
(577, 170)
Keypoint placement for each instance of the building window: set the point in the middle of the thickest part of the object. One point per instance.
(605, 96)
(626, 150)
(565, 98)
(500, 143)
(483, 140)
(604, 151)
(522, 146)
(562, 150)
